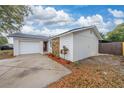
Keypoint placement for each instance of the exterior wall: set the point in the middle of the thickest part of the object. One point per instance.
(17, 44)
(81, 45)
(50, 46)
(41, 44)
(67, 40)
(85, 45)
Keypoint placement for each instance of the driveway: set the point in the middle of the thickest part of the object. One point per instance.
(30, 71)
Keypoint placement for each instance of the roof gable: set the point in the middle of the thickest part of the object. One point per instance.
(95, 30)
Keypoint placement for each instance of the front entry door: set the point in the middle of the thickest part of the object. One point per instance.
(45, 46)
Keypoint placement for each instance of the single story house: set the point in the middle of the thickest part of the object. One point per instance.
(80, 43)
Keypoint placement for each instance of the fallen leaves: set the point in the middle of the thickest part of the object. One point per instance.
(92, 74)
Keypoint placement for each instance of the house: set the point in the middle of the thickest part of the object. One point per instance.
(80, 43)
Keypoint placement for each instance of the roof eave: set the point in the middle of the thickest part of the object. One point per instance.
(92, 27)
(97, 33)
(29, 37)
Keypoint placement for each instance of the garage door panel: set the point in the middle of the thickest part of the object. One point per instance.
(29, 47)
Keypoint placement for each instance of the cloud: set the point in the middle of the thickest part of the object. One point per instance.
(50, 21)
(49, 32)
(27, 29)
(118, 21)
(96, 20)
(47, 21)
(116, 13)
(44, 31)
(48, 16)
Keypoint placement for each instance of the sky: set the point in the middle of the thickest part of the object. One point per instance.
(53, 20)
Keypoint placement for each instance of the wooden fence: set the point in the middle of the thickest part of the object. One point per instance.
(123, 48)
(116, 48)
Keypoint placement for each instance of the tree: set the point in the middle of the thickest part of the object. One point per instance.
(3, 40)
(12, 17)
(117, 34)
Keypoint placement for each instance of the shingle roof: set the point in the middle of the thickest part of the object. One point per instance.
(22, 35)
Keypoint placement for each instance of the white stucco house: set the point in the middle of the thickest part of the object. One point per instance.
(81, 43)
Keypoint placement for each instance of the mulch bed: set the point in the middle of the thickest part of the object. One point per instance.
(94, 72)
(58, 59)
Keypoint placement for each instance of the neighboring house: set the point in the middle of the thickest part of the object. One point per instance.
(81, 43)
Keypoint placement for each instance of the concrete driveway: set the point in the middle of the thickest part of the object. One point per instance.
(30, 71)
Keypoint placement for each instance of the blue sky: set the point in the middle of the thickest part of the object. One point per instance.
(85, 10)
(52, 20)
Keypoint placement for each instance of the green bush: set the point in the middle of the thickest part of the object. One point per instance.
(56, 53)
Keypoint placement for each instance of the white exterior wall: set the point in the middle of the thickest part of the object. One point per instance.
(67, 40)
(41, 45)
(85, 45)
(17, 44)
(49, 46)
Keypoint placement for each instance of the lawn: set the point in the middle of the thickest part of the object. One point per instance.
(104, 71)
(6, 54)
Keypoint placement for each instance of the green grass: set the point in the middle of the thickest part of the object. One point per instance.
(77, 63)
(1, 51)
(114, 57)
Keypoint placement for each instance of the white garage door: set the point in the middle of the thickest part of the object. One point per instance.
(29, 47)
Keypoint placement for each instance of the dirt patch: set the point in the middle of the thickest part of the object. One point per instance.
(94, 72)
(6, 54)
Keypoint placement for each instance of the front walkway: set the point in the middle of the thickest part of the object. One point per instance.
(27, 71)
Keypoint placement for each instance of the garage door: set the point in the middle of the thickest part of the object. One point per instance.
(29, 47)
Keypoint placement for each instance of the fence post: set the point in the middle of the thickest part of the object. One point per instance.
(123, 48)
